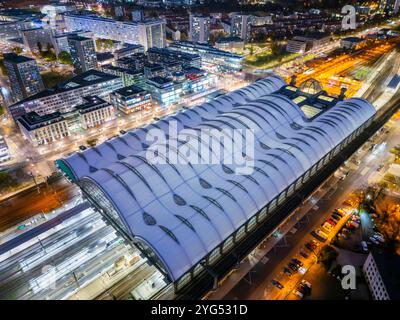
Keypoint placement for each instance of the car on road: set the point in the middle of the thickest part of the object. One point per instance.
(335, 217)
(379, 237)
(373, 240)
(277, 284)
(364, 246)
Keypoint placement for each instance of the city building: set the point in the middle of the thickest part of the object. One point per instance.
(158, 55)
(12, 29)
(152, 70)
(64, 97)
(212, 58)
(131, 99)
(24, 75)
(94, 112)
(164, 90)
(353, 43)
(149, 33)
(49, 128)
(53, 14)
(60, 40)
(240, 25)
(129, 77)
(83, 53)
(36, 39)
(296, 46)
(232, 44)
(45, 129)
(314, 40)
(129, 50)
(4, 150)
(382, 274)
(199, 28)
(189, 219)
(135, 62)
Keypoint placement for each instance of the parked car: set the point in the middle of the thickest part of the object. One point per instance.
(306, 283)
(337, 212)
(379, 238)
(335, 217)
(297, 262)
(305, 289)
(304, 254)
(298, 293)
(344, 236)
(331, 222)
(293, 266)
(373, 240)
(277, 284)
(287, 271)
(320, 235)
(364, 246)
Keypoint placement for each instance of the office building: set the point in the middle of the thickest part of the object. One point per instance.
(211, 58)
(64, 97)
(83, 53)
(45, 129)
(158, 55)
(135, 62)
(164, 90)
(12, 29)
(24, 75)
(131, 99)
(382, 274)
(152, 70)
(189, 219)
(94, 112)
(199, 28)
(149, 33)
(129, 77)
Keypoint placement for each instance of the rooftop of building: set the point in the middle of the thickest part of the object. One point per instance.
(88, 78)
(14, 58)
(76, 37)
(104, 56)
(184, 211)
(353, 39)
(33, 120)
(229, 39)
(130, 90)
(160, 80)
(90, 102)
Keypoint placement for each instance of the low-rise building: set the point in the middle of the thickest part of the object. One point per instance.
(128, 51)
(382, 274)
(164, 90)
(94, 112)
(131, 99)
(134, 62)
(129, 77)
(65, 96)
(153, 70)
(352, 43)
(40, 130)
(296, 46)
(235, 44)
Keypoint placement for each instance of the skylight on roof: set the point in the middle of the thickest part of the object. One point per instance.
(92, 77)
(325, 98)
(299, 99)
(310, 111)
(71, 85)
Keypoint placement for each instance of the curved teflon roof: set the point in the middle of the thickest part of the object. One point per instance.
(185, 211)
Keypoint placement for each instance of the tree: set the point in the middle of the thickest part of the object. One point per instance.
(65, 58)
